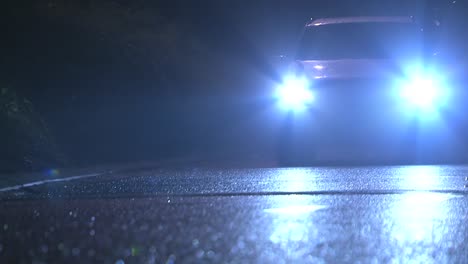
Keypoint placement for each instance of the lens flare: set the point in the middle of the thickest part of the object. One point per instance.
(294, 94)
(421, 92)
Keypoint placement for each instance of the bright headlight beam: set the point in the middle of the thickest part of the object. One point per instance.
(421, 92)
(424, 92)
(294, 94)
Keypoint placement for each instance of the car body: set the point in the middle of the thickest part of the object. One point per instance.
(365, 81)
(351, 65)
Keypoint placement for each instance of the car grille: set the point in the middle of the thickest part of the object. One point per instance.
(357, 102)
(353, 93)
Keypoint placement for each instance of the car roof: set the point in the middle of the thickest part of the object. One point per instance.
(362, 19)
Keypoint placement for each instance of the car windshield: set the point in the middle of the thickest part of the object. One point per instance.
(378, 40)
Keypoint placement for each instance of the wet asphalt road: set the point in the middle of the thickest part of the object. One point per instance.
(368, 214)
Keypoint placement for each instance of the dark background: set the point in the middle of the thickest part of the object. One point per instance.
(122, 81)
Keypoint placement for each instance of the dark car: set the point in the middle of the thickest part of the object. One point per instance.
(362, 82)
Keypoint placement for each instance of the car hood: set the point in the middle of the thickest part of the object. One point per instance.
(349, 68)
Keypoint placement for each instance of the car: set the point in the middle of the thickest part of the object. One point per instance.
(361, 81)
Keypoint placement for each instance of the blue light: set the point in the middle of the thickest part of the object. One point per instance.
(294, 94)
(423, 92)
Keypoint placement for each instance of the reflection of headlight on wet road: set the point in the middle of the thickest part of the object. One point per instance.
(420, 217)
(294, 93)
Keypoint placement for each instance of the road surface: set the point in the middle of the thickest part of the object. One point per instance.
(329, 214)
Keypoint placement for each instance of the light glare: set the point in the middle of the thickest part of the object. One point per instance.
(295, 94)
(421, 92)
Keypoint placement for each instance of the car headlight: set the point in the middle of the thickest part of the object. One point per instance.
(294, 93)
(423, 92)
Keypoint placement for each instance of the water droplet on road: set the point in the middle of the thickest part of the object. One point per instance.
(75, 252)
(200, 253)
(210, 254)
(44, 249)
(60, 246)
(195, 242)
(171, 259)
(152, 249)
